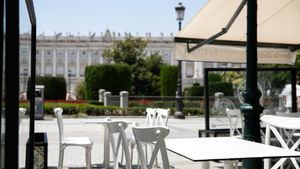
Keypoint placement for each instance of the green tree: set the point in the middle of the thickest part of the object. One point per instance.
(111, 77)
(80, 90)
(168, 76)
(55, 87)
(145, 69)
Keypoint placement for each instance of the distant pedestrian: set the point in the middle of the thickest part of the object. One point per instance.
(286, 95)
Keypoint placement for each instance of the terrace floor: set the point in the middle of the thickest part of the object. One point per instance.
(75, 157)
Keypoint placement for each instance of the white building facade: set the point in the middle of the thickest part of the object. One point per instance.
(68, 56)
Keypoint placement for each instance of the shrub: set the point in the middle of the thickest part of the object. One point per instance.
(224, 87)
(80, 92)
(111, 77)
(78, 109)
(214, 77)
(55, 87)
(195, 90)
(168, 75)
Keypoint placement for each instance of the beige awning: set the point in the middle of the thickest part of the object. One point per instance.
(278, 30)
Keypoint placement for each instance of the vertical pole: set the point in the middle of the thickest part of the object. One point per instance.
(32, 99)
(179, 104)
(294, 90)
(206, 99)
(251, 109)
(11, 84)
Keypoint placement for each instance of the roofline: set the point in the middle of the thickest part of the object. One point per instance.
(292, 47)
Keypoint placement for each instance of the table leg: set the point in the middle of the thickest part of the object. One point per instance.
(228, 164)
(204, 165)
(106, 148)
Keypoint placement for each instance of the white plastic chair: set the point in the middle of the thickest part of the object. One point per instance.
(152, 135)
(64, 142)
(118, 128)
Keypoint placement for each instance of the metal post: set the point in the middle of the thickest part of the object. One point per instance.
(179, 104)
(294, 90)
(69, 76)
(251, 109)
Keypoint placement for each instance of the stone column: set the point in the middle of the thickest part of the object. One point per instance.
(124, 99)
(107, 98)
(101, 95)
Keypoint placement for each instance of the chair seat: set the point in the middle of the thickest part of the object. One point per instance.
(77, 141)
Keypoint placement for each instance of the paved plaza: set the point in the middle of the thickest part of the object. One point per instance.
(75, 156)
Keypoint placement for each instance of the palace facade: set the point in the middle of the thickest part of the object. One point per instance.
(68, 55)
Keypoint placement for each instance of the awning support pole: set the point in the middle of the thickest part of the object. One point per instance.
(251, 109)
(222, 32)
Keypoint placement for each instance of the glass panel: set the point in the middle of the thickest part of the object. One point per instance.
(226, 87)
(24, 69)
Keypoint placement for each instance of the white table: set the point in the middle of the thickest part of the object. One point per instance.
(106, 145)
(224, 148)
(288, 126)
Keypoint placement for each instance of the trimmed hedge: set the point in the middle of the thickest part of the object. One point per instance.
(168, 75)
(55, 87)
(224, 87)
(111, 77)
(77, 109)
(195, 90)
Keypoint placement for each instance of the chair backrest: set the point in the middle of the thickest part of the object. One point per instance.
(155, 135)
(58, 114)
(162, 116)
(150, 117)
(118, 128)
(235, 119)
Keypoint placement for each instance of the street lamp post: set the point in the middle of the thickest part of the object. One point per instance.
(69, 76)
(179, 104)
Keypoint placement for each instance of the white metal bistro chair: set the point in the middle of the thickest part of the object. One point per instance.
(118, 128)
(152, 135)
(288, 126)
(162, 116)
(150, 121)
(64, 142)
(235, 120)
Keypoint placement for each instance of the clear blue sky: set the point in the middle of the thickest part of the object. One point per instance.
(132, 16)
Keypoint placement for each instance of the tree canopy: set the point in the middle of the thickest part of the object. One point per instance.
(145, 69)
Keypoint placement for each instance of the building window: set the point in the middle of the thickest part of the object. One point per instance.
(24, 52)
(96, 52)
(83, 52)
(72, 52)
(38, 52)
(60, 52)
(167, 57)
(48, 52)
(189, 69)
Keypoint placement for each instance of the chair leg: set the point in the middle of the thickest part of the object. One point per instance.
(88, 157)
(61, 157)
(122, 154)
(131, 155)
